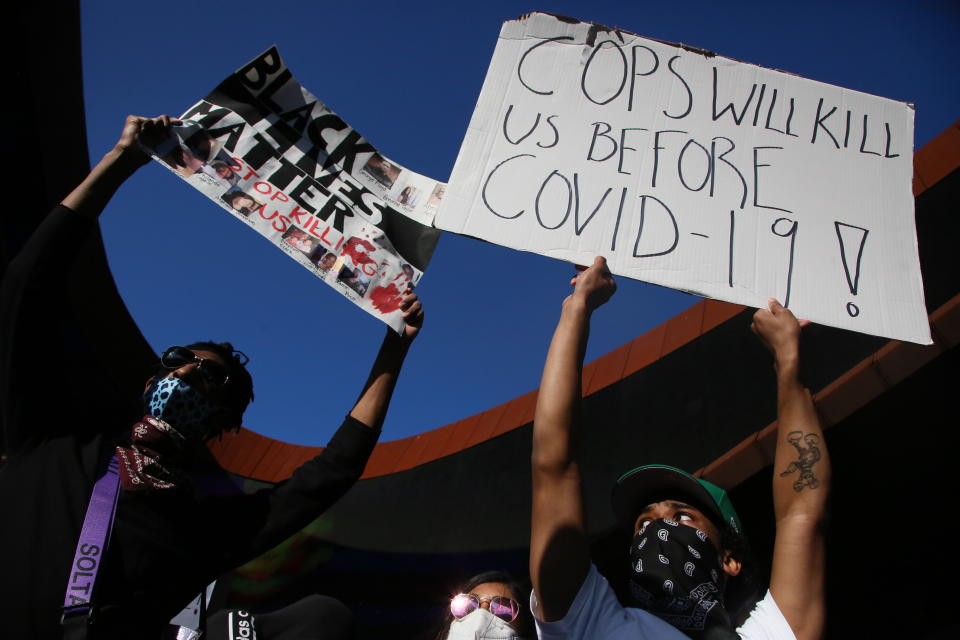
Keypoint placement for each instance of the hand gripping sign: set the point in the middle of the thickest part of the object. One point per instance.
(695, 172)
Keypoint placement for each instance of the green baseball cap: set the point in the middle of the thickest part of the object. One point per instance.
(639, 487)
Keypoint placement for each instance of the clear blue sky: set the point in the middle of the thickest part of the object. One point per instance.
(407, 75)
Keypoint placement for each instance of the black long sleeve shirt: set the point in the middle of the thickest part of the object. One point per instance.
(60, 418)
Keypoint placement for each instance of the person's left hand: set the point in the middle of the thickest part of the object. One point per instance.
(778, 329)
(151, 131)
(594, 285)
(412, 316)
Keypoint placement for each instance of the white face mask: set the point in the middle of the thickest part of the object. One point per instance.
(481, 625)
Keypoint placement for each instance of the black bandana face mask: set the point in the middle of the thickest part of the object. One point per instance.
(676, 575)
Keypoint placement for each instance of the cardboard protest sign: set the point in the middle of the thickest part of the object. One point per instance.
(267, 151)
(695, 172)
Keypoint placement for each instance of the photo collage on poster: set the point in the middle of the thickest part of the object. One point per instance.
(335, 238)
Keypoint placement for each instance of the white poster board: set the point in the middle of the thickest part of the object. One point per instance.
(277, 159)
(695, 172)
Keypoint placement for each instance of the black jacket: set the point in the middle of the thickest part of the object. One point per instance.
(61, 418)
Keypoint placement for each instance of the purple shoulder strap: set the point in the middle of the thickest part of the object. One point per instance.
(93, 542)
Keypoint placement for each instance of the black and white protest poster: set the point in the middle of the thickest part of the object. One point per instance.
(276, 158)
(696, 172)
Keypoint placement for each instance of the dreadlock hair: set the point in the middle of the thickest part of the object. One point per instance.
(239, 388)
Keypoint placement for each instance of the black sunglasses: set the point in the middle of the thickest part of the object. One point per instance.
(213, 372)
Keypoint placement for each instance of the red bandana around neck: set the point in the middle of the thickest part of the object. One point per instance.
(145, 464)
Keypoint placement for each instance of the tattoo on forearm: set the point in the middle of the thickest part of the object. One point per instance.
(806, 446)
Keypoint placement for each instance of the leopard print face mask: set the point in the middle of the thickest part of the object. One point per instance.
(184, 407)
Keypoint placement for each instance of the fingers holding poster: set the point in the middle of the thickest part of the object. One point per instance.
(270, 153)
(695, 172)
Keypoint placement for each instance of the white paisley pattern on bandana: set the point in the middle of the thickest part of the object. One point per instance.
(680, 582)
(144, 462)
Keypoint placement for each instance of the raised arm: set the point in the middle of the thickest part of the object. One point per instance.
(320, 482)
(91, 196)
(35, 299)
(559, 552)
(801, 481)
(371, 406)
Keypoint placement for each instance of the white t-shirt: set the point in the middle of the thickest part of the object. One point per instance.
(596, 614)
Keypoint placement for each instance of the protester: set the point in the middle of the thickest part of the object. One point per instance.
(488, 605)
(63, 420)
(682, 555)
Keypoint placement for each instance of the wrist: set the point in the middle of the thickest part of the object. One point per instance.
(575, 305)
(787, 364)
(396, 341)
(123, 161)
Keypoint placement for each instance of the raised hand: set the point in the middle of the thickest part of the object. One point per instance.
(778, 329)
(412, 316)
(593, 286)
(137, 129)
(91, 196)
